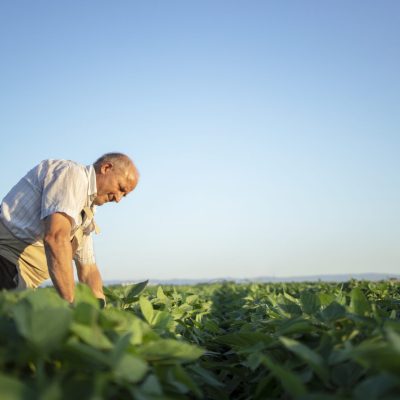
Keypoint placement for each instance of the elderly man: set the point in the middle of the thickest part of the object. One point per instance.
(46, 221)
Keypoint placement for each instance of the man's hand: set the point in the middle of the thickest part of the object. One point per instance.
(58, 249)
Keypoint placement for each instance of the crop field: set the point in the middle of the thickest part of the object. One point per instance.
(212, 341)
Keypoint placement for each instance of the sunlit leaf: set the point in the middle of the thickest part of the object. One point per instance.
(161, 295)
(169, 350)
(146, 308)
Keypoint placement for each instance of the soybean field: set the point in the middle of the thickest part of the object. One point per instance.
(209, 341)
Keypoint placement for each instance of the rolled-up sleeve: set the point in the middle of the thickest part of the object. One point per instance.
(64, 191)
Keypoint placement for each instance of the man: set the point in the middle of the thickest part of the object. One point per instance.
(46, 221)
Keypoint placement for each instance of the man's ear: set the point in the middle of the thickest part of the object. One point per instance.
(106, 167)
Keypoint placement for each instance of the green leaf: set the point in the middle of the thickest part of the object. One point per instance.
(161, 295)
(289, 381)
(44, 328)
(130, 368)
(315, 361)
(86, 353)
(42, 299)
(151, 386)
(377, 355)
(346, 374)
(13, 389)
(205, 375)
(191, 299)
(326, 298)
(184, 378)
(86, 314)
(310, 302)
(375, 387)
(323, 396)
(161, 320)
(186, 308)
(359, 303)
(292, 326)
(51, 391)
(123, 322)
(45, 298)
(291, 299)
(394, 339)
(83, 294)
(211, 326)
(120, 347)
(254, 360)
(261, 390)
(169, 350)
(244, 339)
(91, 335)
(290, 308)
(132, 291)
(333, 312)
(146, 308)
(112, 294)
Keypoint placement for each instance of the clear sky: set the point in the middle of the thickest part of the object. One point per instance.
(266, 132)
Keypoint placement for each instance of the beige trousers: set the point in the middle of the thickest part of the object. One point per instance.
(30, 259)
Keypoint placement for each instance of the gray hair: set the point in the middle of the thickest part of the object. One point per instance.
(119, 160)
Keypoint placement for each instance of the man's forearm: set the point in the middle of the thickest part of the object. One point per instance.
(90, 275)
(59, 261)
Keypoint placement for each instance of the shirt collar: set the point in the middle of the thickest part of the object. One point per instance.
(92, 189)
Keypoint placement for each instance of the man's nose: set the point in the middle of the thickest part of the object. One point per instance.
(117, 197)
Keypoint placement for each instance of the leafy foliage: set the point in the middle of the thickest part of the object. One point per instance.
(216, 341)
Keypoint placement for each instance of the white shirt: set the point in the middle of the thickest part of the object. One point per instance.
(52, 186)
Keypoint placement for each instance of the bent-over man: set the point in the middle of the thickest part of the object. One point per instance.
(46, 221)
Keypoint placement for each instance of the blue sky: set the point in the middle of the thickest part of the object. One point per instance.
(266, 132)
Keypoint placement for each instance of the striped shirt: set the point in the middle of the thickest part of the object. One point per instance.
(50, 187)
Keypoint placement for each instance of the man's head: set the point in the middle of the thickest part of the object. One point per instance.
(116, 176)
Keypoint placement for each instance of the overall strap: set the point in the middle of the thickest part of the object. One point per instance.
(87, 213)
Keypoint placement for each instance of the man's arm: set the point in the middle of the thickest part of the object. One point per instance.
(90, 275)
(58, 249)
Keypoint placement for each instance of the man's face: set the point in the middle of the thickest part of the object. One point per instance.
(113, 184)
